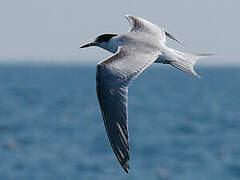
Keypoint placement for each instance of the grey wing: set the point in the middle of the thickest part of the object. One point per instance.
(113, 78)
(142, 25)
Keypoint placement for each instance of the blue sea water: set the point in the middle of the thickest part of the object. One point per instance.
(181, 127)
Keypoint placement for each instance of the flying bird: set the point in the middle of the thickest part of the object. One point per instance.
(143, 45)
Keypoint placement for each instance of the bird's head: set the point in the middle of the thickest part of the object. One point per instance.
(103, 41)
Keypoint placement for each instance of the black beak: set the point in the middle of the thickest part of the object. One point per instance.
(88, 45)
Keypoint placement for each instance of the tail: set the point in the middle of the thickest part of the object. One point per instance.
(186, 62)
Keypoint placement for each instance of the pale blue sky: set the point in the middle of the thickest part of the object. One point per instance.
(52, 30)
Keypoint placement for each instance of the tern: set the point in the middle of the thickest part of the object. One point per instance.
(143, 45)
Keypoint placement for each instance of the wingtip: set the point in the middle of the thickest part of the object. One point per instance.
(129, 17)
(126, 167)
(180, 42)
(199, 76)
(172, 37)
(194, 73)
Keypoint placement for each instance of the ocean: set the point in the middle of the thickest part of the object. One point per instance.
(181, 127)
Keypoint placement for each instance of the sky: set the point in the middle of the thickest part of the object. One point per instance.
(53, 30)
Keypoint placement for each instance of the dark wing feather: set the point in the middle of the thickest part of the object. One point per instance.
(172, 37)
(113, 102)
(113, 77)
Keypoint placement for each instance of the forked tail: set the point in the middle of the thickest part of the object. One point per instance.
(186, 62)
